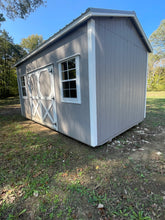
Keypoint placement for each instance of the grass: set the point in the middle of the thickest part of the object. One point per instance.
(45, 175)
(156, 108)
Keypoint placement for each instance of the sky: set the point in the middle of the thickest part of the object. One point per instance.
(47, 20)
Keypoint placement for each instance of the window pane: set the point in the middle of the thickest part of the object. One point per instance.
(66, 93)
(23, 81)
(64, 75)
(23, 91)
(64, 66)
(71, 64)
(72, 74)
(65, 85)
(69, 79)
(73, 84)
(73, 93)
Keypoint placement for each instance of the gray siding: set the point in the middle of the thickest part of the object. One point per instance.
(73, 119)
(121, 60)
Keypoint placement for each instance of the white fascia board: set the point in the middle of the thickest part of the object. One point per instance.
(92, 81)
(82, 19)
(108, 14)
(62, 32)
(146, 88)
(143, 33)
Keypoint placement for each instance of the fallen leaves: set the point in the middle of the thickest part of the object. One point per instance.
(7, 195)
(37, 174)
(97, 167)
(65, 174)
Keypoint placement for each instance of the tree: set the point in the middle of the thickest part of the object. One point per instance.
(19, 52)
(157, 39)
(1, 18)
(156, 79)
(31, 42)
(19, 8)
(156, 72)
(9, 54)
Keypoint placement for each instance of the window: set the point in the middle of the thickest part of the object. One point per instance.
(23, 86)
(69, 76)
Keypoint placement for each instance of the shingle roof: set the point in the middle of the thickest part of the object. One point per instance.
(89, 13)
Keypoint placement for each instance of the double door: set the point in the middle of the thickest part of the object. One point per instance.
(42, 97)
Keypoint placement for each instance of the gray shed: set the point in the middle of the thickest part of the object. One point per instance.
(88, 81)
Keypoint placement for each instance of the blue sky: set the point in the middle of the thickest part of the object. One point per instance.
(48, 20)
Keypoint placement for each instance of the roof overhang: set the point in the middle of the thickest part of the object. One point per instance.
(91, 12)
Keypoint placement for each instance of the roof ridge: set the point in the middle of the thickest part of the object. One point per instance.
(90, 12)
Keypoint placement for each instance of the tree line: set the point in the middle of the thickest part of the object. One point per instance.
(10, 52)
(156, 60)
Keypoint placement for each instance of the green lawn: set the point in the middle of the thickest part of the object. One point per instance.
(156, 108)
(46, 175)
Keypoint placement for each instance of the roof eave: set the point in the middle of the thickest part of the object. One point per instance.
(84, 17)
(143, 34)
(58, 35)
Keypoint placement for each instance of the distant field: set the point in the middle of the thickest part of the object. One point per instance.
(157, 95)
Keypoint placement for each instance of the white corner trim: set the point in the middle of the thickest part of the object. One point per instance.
(146, 88)
(92, 81)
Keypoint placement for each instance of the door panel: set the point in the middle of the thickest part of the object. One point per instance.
(45, 88)
(42, 97)
(33, 85)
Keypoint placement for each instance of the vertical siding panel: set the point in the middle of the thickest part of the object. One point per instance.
(120, 70)
(120, 106)
(73, 119)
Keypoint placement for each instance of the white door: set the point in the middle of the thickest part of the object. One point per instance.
(42, 97)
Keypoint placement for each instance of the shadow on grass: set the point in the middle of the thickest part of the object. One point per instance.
(11, 119)
(10, 101)
(46, 175)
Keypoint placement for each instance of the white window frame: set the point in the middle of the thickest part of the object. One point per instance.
(77, 61)
(23, 86)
